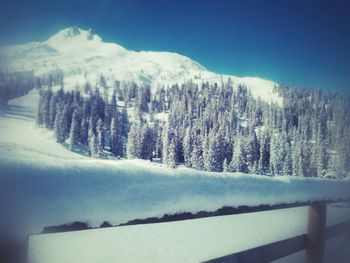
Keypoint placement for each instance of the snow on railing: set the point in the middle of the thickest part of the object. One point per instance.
(313, 241)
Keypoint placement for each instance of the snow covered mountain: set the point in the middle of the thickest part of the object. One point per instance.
(83, 56)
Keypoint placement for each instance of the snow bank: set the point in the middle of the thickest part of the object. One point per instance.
(57, 191)
(185, 241)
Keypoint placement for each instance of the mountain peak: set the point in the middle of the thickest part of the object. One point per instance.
(73, 33)
(83, 56)
(70, 31)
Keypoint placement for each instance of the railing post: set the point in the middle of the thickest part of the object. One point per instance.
(316, 232)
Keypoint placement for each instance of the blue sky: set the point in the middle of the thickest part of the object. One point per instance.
(302, 42)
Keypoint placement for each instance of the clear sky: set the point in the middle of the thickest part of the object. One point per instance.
(300, 42)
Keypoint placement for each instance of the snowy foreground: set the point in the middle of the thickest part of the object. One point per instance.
(42, 183)
(184, 241)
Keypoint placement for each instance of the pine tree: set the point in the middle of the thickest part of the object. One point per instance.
(84, 131)
(75, 130)
(264, 161)
(322, 158)
(158, 129)
(134, 144)
(215, 153)
(238, 163)
(108, 115)
(114, 100)
(116, 140)
(288, 162)
(278, 152)
(165, 142)
(147, 143)
(226, 167)
(53, 108)
(100, 138)
(205, 153)
(296, 152)
(301, 167)
(170, 161)
(187, 147)
(253, 152)
(197, 154)
(64, 122)
(46, 108)
(93, 144)
(59, 132)
(124, 122)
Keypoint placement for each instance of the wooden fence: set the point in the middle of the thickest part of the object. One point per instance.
(313, 241)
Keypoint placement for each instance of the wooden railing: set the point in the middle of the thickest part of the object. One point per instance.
(313, 241)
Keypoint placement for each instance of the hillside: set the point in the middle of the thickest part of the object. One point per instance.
(83, 57)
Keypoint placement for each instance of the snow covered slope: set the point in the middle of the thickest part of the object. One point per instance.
(82, 55)
(43, 183)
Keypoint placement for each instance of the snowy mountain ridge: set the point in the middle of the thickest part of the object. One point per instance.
(83, 56)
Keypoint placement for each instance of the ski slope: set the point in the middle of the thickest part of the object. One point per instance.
(83, 56)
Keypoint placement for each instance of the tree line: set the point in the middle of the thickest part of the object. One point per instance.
(208, 127)
(15, 84)
(87, 121)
